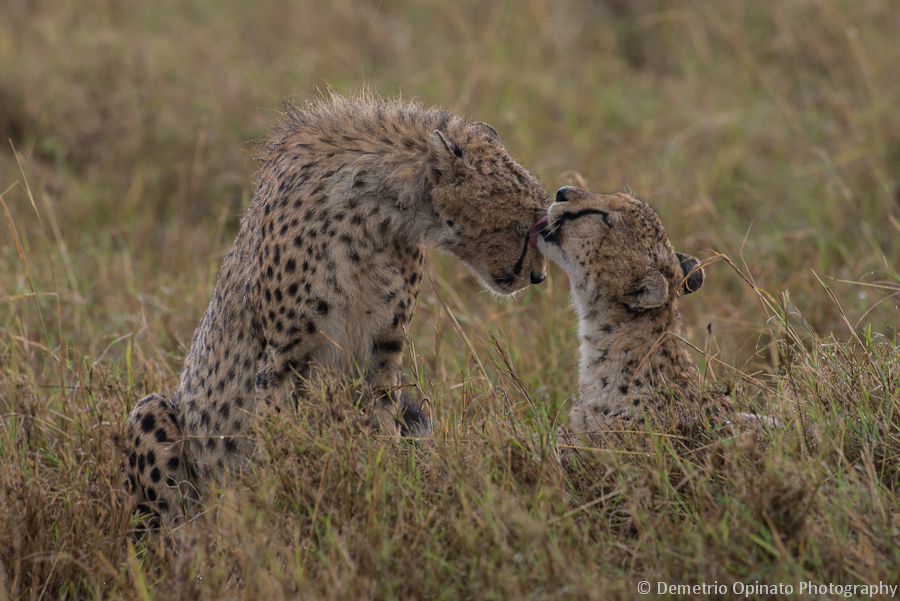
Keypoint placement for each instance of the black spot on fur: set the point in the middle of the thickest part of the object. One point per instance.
(148, 423)
(387, 346)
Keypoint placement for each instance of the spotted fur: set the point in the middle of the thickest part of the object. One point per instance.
(326, 272)
(625, 279)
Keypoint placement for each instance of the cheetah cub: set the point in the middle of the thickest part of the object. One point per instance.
(325, 273)
(625, 280)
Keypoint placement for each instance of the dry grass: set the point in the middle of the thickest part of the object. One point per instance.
(766, 131)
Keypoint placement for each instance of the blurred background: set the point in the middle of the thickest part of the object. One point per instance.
(766, 131)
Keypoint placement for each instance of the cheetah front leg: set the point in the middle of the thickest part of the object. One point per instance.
(294, 353)
(154, 473)
(395, 412)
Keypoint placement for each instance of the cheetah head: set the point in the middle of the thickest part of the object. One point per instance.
(616, 253)
(487, 204)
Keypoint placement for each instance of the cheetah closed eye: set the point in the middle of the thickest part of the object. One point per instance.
(326, 271)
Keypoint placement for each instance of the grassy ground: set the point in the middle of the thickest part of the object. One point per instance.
(765, 131)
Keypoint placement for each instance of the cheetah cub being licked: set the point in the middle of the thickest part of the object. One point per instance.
(625, 280)
(326, 270)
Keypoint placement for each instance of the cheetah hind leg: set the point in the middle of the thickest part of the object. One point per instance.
(153, 469)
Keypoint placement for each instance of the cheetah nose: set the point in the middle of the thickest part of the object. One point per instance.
(537, 278)
(562, 193)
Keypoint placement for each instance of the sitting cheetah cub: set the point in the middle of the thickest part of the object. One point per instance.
(625, 280)
(325, 273)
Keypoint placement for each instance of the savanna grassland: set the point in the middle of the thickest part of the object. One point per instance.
(765, 132)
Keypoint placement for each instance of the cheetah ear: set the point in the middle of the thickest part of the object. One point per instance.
(693, 274)
(650, 292)
(450, 164)
(487, 130)
(444, 149)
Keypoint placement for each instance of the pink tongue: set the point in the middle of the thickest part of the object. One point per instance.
(536, 229)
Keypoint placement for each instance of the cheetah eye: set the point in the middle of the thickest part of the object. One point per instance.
(604, 216)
